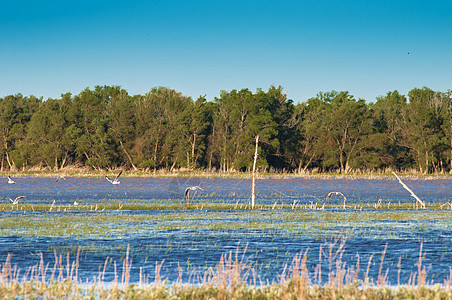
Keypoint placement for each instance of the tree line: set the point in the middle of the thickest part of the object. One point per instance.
(106, 128)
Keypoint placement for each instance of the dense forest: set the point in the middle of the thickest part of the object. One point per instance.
(106, 128)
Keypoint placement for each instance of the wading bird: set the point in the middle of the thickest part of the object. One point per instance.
(10, 181)
(192, 188)
(15, 201)
(114, 181)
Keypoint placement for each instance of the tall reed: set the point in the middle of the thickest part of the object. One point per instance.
(233, 277)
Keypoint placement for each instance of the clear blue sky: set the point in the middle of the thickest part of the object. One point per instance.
(201, 47)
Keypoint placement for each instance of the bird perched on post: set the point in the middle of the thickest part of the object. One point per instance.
(187, 192)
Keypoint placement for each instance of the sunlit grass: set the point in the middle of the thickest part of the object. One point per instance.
(113, 220)
(231, 278)
(88, 172)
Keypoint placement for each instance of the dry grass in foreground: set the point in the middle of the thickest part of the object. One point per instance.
(231, 279)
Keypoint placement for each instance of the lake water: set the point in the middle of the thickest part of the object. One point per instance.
(194, 240)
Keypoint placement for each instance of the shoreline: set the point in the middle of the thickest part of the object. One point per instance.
(80, 172)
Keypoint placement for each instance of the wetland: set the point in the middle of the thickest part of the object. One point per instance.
(146, 220)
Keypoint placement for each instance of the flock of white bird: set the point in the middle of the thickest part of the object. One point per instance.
(114, 181)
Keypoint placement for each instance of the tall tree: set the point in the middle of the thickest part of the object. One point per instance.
(48, 137)
(309, 118)
(388, 122)
(421, 119)
(160, 117)
(345, 125)
(446, 98)
(15, 113)
(121, 121)
(94, 145)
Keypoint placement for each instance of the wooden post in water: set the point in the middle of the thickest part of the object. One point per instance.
(253, 196)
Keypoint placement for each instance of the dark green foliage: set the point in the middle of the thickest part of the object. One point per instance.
(106, 128)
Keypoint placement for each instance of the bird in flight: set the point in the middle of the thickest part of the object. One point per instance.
(60, 177)
(192, 188)
(335, 193)
(114, 181)
(338, 194)
(15, 201)
(10, 181)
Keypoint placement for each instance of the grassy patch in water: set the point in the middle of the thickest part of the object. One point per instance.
(113, 223)
(162, 205)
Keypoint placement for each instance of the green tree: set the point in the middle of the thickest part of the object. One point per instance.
(160, 118)
(422, 124)
(121, 120)
(94, 146)
(388, 122)
(48, 139)
(15, 113)
(309, 118)
(343, 125)
(239, 117)
(446, 98)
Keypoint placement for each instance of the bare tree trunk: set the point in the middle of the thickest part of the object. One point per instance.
(193, 149)
(128, 156)
(64, 161)
(253, 196)
(188, 160)
(426, 162)
(155, 150)
(210, 161)
(7, 157)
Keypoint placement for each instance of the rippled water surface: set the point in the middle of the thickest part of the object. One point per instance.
(194, 240)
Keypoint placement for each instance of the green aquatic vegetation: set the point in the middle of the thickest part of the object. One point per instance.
(288, 223)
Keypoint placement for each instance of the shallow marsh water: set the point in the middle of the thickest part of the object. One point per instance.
(194, 240)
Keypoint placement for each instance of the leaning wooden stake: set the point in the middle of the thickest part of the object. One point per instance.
(253, 196)
(411, 192)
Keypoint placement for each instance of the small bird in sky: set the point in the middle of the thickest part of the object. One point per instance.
(15, 201)
(192, 188)
(10, 181)
(114, 181)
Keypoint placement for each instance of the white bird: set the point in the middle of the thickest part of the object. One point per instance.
(335, 193)
(192, 188)
(338, 194)
(10, 181)
(15, 201)
(60, 177)
(114, 181)
(76, 203)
